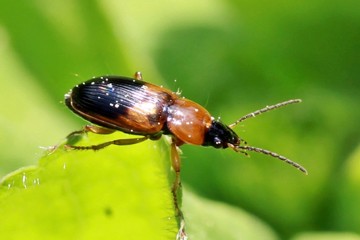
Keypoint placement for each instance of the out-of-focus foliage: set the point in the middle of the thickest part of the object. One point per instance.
(233, 57)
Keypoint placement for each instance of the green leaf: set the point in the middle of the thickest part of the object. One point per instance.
(86, 194)
(207, 220)
(119, 191)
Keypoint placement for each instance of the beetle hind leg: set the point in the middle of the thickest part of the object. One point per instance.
(120, 142)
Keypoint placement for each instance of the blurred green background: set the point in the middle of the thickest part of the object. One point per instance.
(232, 57)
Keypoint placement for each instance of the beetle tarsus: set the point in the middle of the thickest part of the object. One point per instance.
(181, 235)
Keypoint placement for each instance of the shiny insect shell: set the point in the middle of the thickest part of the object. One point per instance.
(137, 107)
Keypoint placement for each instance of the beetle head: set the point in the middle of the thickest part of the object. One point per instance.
(220, 136)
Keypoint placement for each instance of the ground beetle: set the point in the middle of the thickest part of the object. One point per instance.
(136, 107)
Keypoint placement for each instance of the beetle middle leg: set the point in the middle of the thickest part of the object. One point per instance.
(101, 130)
(93, 129)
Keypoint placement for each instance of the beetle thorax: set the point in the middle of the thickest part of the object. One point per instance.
(188, 121)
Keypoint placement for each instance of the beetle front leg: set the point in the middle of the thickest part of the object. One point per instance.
(176, 165)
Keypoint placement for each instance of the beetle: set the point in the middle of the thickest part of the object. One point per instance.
(133, 106)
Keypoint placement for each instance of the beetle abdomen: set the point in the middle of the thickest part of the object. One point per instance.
(122, 103)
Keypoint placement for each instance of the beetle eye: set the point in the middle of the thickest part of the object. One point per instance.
(217, 142)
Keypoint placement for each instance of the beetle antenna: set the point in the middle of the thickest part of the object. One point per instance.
(243, 149)
(263, 110)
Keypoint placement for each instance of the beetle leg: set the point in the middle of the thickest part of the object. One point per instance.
(138, 76)
(98, 129)
(105, 144)
(176, 165)
(93, 129)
